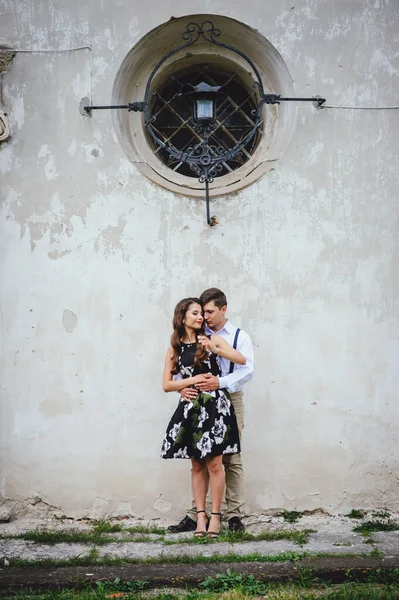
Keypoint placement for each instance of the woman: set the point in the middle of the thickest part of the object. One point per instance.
(206, 428)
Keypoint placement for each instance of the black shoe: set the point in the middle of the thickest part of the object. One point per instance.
(235, 524)
(186, 524)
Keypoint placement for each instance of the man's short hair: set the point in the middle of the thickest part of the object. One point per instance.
(215, 295)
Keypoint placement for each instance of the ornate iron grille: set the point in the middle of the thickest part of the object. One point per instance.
(172, 118)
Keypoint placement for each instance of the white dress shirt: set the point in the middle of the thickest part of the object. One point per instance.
(234, 382)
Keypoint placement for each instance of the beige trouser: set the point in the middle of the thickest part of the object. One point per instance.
(234, 505)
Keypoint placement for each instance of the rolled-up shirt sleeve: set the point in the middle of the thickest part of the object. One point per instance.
(242, 373)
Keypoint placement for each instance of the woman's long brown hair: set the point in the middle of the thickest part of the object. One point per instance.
(179, 332)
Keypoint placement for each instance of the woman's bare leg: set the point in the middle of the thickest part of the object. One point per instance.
(199, 485)
(217, 485)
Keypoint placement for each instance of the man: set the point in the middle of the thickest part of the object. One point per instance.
(233, 377)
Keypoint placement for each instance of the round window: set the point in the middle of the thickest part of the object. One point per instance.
(171, 112)
(172, 117)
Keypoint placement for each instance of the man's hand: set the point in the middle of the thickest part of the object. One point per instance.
(207, 343)
(210, 384)
(189, 394)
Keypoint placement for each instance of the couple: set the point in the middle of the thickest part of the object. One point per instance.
(208, 362)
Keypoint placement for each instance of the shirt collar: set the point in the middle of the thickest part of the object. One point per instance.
(227, 327)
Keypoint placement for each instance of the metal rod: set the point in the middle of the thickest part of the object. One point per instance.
(314, 99)
(129, 106)
(212, 221)
(208, 210)
(136, 106)
(89, 108)
(133, 106)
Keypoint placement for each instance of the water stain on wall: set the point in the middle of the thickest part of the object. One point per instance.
(59, 404)
(69, 320)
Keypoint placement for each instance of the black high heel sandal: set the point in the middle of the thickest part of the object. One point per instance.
(214, 534)
(200, 534)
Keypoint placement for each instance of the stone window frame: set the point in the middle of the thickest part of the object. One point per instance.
(130, 82)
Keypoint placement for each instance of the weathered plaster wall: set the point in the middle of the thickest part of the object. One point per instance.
(94, 257)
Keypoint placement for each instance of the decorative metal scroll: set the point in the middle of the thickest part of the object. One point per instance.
(204, 158)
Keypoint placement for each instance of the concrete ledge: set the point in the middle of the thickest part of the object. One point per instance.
(334, 570)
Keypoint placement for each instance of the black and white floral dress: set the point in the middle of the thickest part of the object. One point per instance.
(206, 426)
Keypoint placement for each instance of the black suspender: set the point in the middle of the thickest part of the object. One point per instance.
(235, 348)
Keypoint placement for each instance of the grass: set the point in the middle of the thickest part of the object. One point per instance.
(230, 580)
(248, 584)
(63, 537)
(356, 513)
(291, 516)
(307, 577)
(94, 559)
(353, 591)
(382, 514)
(132, 587)
(146, 530)
(102, 526)
(102, 530)
(100, 535)
(375, 553)
(299, 537)
(51, 538)
(369, 540)
(228, 586)
(385, 576)
(367, 527)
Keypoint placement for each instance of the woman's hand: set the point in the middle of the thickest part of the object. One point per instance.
(189, 394)
(207, 343)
